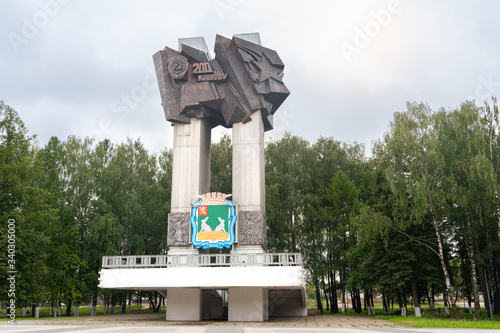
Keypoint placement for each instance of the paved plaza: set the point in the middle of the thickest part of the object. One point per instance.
(312, 321)
(134, 323)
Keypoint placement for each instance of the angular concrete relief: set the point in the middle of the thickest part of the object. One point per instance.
(243, 78)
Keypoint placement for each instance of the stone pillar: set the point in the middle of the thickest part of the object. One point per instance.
(249, 188)
(183, 304)
(248, 304)
(190, 178)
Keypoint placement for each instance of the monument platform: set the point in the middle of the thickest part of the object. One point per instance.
(258, 285)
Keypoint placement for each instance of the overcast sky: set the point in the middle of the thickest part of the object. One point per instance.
(85, 68)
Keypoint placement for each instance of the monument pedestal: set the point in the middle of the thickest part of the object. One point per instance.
(258, 285)
(183, 304)
(248, 304)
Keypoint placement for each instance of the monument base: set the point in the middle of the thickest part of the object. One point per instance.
(183, 304)
(241, 286)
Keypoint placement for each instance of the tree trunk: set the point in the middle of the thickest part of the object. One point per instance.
(372, 303)
(486, 292)
(491, 282)
(466, 271)
(445, 301)
(94, 305)
(333, 293)
(129, 301)
(68, 307)
(414, 294)
(342, 282)
(140, 302)
(366, 300)
(353, 298)
(358, 299)
(400, 303)
(429, 300)
(326, 294)
(473, 271)
(405, 308)
(124, 302)
(319, 304)
(496, 291)
(449, 288)
(433, 296)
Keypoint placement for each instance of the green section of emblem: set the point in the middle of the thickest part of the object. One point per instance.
(213, 218)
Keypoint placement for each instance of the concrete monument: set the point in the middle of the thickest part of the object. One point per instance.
(241, 88)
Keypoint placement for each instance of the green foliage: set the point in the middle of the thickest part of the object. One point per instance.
(221, 166)
(429, 322)
(26, 204)
(421, 216)
(288, 163)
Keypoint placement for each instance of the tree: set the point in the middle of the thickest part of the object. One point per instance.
(288, 164)
(415, 174)
(63, 257)
(136, 198)
(26, 209)
(221, 165)
(343, 202)
(470, 166)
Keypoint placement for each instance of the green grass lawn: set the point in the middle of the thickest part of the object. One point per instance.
(440, 322)
(430, 320)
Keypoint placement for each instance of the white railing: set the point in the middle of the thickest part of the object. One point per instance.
(203, 260)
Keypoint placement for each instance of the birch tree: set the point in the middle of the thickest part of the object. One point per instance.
(415, 174)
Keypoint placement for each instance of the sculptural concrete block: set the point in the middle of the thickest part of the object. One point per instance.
(240, 89)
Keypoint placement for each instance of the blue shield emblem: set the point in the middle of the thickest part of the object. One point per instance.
(213, 220)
